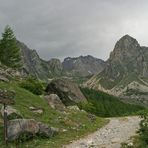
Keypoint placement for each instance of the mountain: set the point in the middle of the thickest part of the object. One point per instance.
(83, 65)
(55, 66)
(126, 72)
(34, 65)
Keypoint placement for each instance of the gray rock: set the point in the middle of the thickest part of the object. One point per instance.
(73, 108)
(11, 113)
(55, 102)
(36, 110)
(2, 78)
(68, 91)
(22, 127)
(46, 131)
(7, 74)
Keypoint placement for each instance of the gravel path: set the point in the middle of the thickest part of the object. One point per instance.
(118, 130)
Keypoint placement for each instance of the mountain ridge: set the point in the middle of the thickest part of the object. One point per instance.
(44, 70)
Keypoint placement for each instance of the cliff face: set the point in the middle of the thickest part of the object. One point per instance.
(56, 67)
(32, 64)
(126, 71)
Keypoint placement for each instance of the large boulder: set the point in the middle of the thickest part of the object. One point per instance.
(55, 102)
(68, 91)
(19, 128)
(11, 113)
(24, 129)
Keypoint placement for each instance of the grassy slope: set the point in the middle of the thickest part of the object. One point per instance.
(72, 121)
(106, 105)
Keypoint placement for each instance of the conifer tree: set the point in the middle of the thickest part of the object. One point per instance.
(9, 50)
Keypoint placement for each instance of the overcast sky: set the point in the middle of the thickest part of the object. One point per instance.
(61, 28)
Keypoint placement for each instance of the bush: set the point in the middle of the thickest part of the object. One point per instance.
(143, 132)
(33, 85)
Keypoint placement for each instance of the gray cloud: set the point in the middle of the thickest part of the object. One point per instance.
(61, 28)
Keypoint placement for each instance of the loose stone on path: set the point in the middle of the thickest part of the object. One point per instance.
(118, 130)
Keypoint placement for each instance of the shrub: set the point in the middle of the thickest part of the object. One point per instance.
(33, 85)
(143, 132)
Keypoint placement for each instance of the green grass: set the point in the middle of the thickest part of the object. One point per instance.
(76, 123)
(105, 105)
(141, 139)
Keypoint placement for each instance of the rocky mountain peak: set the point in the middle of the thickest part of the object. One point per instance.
(126, 47)
(126, 70)
(83, 65)
(126, 41)
(55, 66)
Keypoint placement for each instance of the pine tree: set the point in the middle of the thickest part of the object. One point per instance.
(9, 51)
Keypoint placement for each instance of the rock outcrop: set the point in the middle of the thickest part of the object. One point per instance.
(24, 129)
(128, 63)
(68, 91)
(7, 74)
(55, 102)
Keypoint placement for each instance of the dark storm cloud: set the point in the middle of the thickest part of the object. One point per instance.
(60, 28)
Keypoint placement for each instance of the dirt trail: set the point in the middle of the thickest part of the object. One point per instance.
(118, 130)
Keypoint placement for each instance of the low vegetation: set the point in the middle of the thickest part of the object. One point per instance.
(104, 105)
(141, 139)
(143, 132)
(33, 85)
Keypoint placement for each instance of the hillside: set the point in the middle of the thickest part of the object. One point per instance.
(126, 72)
(105, 105)
(71, 123)
(54, 113)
